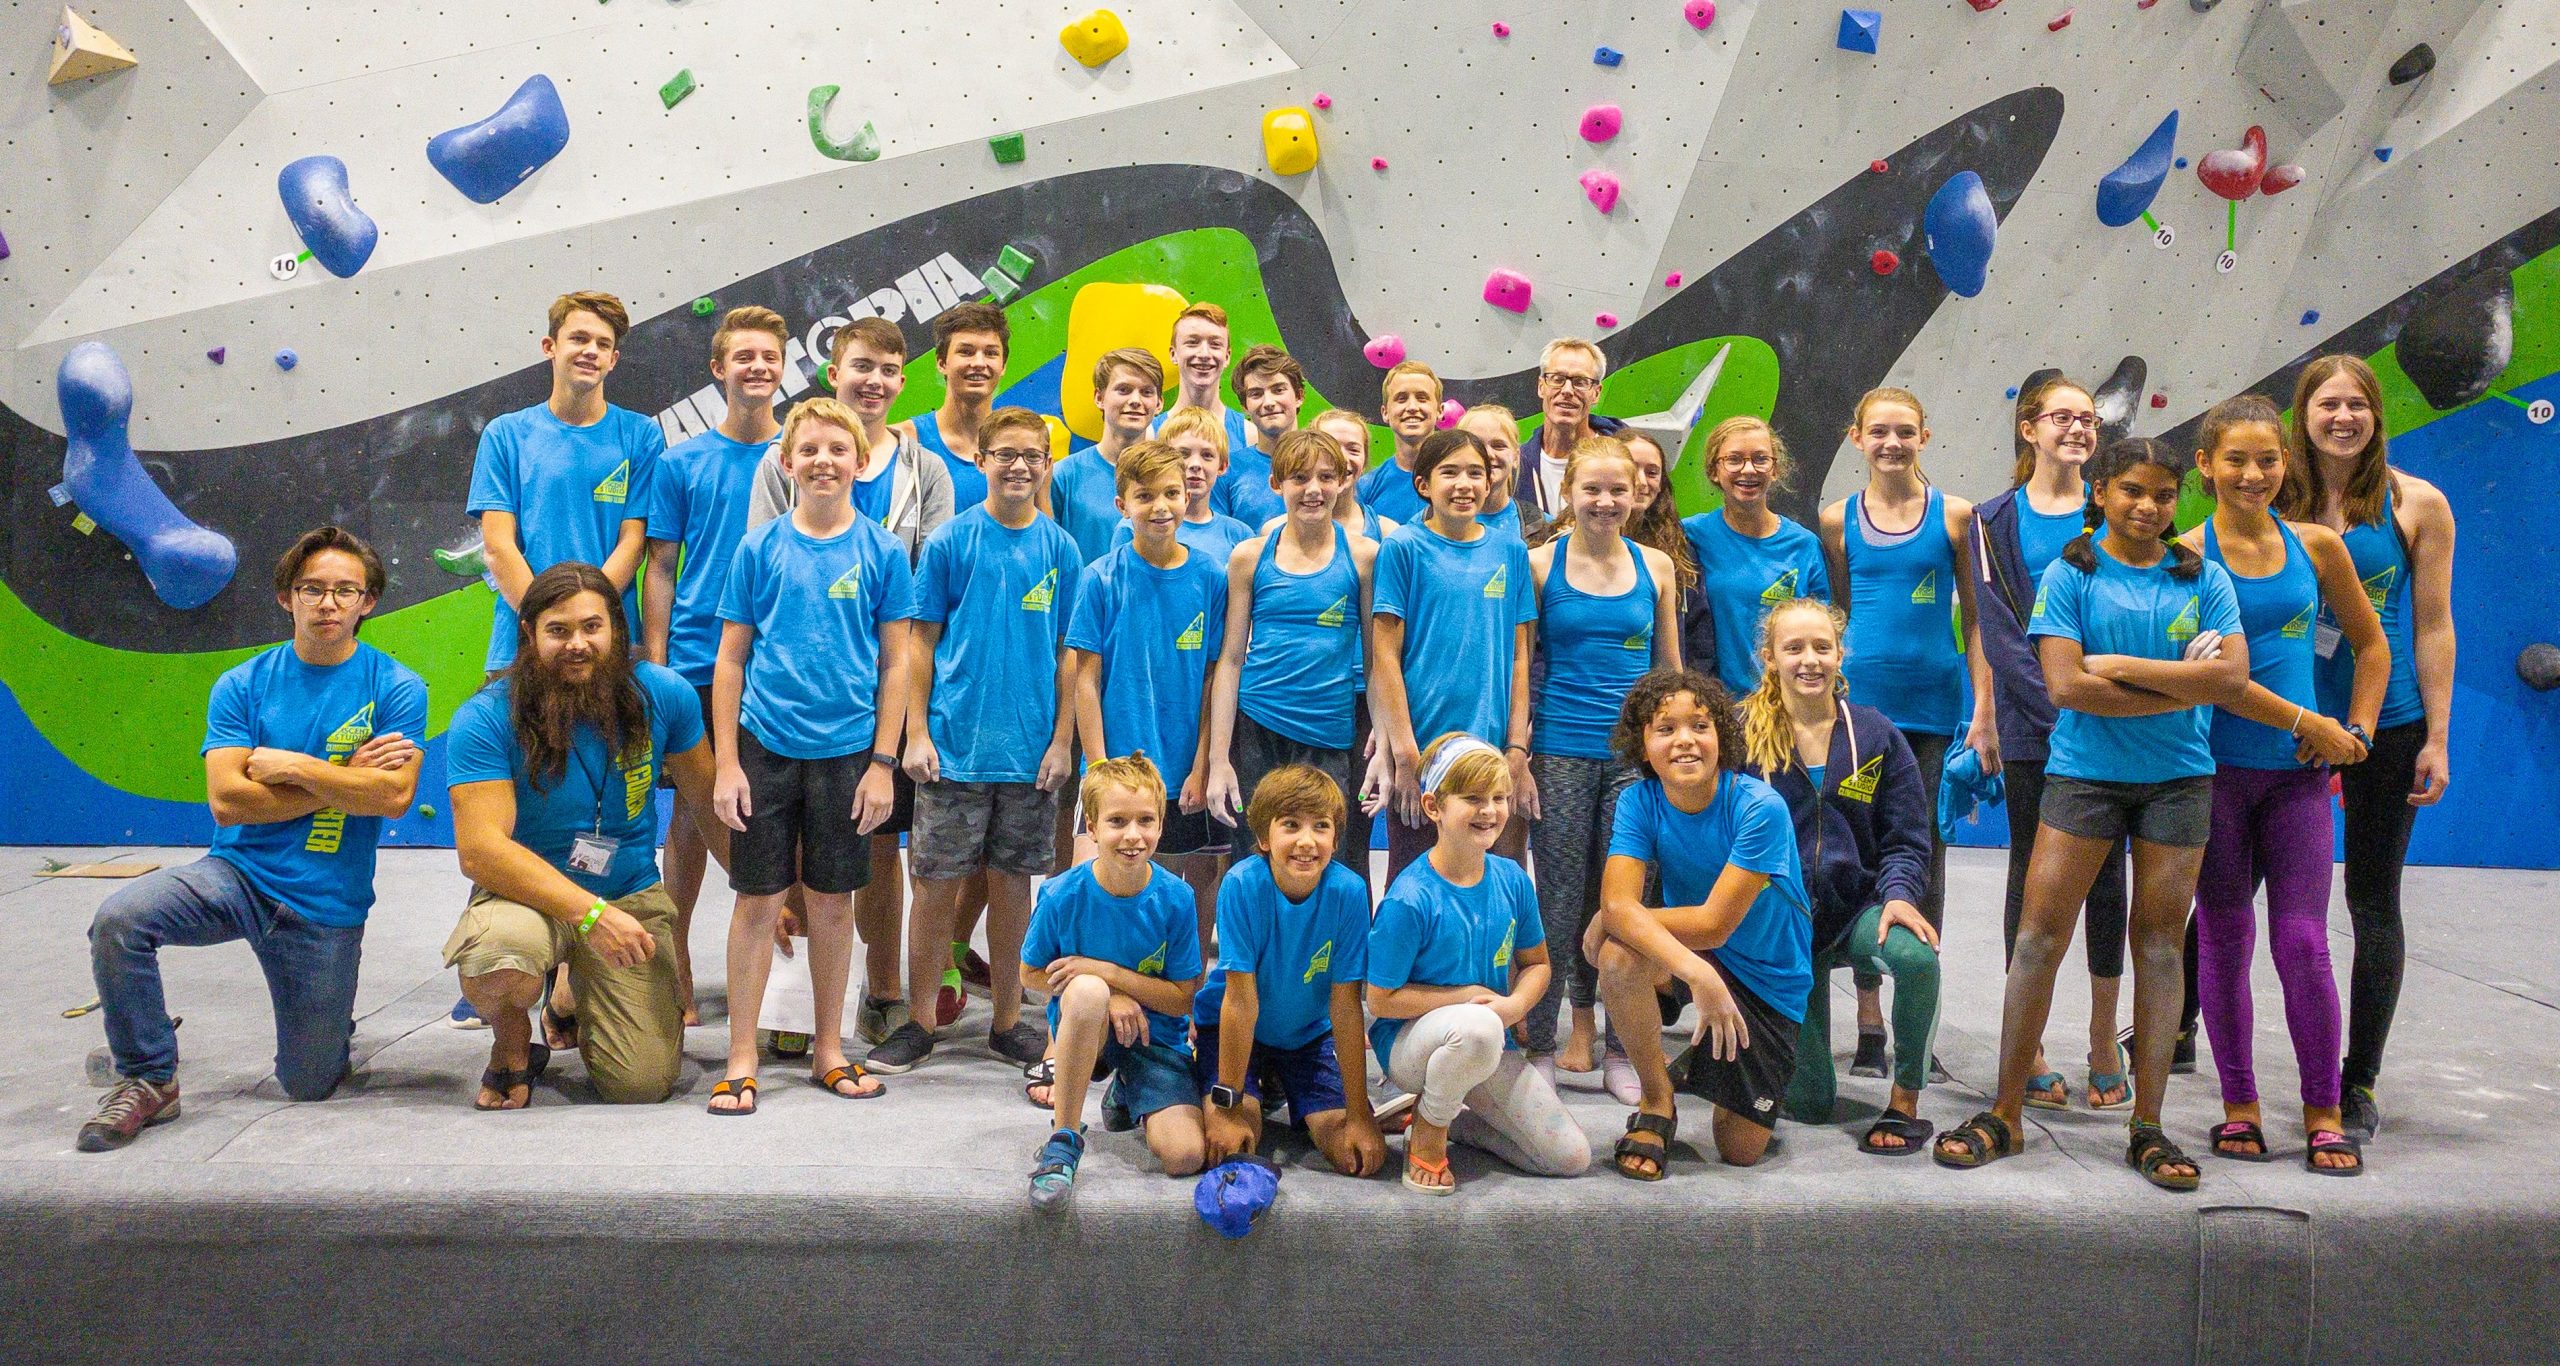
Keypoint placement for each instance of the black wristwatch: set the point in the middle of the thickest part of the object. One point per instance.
(1225, 1097)
(884, 760)
(2358, 732)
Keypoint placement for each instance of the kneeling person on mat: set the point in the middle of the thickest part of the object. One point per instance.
(552, 769)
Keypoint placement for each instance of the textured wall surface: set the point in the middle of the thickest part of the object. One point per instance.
(140, 209)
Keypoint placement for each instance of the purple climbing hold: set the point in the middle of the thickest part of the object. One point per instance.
(186, 563)
(216, 354)
(4, 246)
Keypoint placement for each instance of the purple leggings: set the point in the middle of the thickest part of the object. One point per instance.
(2275, 826)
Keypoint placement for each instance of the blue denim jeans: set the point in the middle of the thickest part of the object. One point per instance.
(311, 971)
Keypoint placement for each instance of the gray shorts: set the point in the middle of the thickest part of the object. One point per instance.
(963, 828)
(2178, 812)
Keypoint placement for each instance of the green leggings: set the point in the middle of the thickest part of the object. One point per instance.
(1913, 966)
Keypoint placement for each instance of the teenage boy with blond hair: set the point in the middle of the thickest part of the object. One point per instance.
(1128, 386)
(1410, 403)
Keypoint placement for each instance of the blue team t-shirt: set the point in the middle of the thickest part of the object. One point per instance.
(817, 606)
(1215, 538)
(1297, 951)
(1431, 932)
(1388, 491)
(1742, 577)
(320, 865)
(1461, 603)
(699, 500)
(1244, 492)
(1745, 825)
(2121, 610)
(594, 791)
(968, 485)
(1002, 597)
(1155, 933)
(1084, 492)
(1157, 632)
(570, 490)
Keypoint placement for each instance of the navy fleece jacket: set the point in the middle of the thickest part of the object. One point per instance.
(1864, 839)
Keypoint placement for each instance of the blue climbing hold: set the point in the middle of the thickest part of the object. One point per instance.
(186, 563)
(2180, 163)
(2013, 391)
(484, 160)
(2127, 191)
(1608, 56)
(2382, 154)
(1960, 228)
(1860, 30)
(340, 235)
(286, 360)
(2310, 316)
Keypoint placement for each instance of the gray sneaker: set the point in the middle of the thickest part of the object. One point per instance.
(1022, 1045)
(878, 1019)
(906, 1046)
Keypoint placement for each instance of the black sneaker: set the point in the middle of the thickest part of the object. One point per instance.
(2182, 1055)
(2363, 1117)
(1116, 1118)
(1021, 1045)
(906, 1046)
(1870, 1060)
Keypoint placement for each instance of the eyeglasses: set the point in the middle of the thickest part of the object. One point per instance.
(312, 593)
(2067, 421)
(1748, 462)
(1012, 456)
(1576, 383)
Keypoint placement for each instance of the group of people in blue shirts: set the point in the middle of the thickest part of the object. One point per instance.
(1625, 762)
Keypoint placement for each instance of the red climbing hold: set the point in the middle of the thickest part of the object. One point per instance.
(1878, 166)
(2234, 173)
(2279, 179)
(1984, 6)
(1885, 262)
(2159, 400)
(2059, 22)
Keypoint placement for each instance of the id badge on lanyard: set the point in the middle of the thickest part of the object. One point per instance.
(593, 850)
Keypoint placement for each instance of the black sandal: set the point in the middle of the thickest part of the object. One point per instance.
(537, 1057)
(1630, 1149)
(1978, 1142)
(2148, 1150)
(1912, 1130)
(2241, 1131)
(1041, 1073)
(2331, 1141)
(563, 1026)
(851, 1072)
(744, 1088)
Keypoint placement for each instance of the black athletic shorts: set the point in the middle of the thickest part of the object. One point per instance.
(666, 777)
(801, 807)
(1753, 1084)
(1190, 832)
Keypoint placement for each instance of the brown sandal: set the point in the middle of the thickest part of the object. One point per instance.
(837, 1076)
(742, 1087)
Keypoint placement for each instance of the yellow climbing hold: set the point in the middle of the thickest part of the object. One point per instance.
(1289, 140)
(1096, 38)
(81, 50)
(1106, 316)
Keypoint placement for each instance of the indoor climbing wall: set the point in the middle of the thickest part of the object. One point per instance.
(269, 264)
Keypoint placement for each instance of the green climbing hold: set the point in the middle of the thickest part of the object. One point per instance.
(677, 87)
(705, 306)
(1007, 147)
(1012, 262)
(999, 284)
(463, 564)
(864, 145)
(427, 811)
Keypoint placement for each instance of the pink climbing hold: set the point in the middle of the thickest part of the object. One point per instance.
(2144, 4)
(1507, 289)
(1701, 13)
(1601, 188)
(1450, 411)
(1885, 262)
(2060, 22)
(2279, 179)
(1984, 6)
(1322, 100)
(1604, 320)
(1501, 29)
(1377, 163)
(1671, 281)
(1385, 350)
(1601, 122)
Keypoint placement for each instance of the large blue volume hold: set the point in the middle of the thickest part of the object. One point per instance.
(2127, 191)
(484, 160)
(185, 563)
(1961, 225)
(324, 213)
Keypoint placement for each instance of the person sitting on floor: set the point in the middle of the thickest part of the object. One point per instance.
(308, 746)
(1281, 1011)
(1117, 943)
(552, 770)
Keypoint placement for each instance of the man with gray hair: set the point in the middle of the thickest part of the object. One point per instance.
(1569, 372)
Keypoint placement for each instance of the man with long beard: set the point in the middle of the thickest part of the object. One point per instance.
(552, 768)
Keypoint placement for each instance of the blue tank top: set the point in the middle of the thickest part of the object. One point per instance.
(1596, 648)
(2042, 535)
(1905, 658)
(2276, 612)
(1303, 657)
(2382, 563)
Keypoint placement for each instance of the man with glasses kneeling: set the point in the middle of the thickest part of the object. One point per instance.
(553, 769)
(308, 746)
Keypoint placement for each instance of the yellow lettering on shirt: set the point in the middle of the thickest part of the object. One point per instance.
(616, 487)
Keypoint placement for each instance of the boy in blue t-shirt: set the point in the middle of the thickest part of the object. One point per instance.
(808, 703)
(308, 747)
(1271, 387)
(568, 479)
(1115, 943)
(990, 720)
(1409, 403)
(1282, 1007)
(697, 511)
(1150, 619)
(1128, 388)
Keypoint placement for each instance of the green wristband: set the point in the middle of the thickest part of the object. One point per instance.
(594, 914)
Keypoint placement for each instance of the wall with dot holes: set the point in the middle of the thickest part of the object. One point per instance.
(140, 210)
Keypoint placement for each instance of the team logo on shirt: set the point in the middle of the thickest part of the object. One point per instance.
(1926, 595)
(1780, 589)
(1042, 594)
(639, 779)
(1500, 584)
(1641, 640)
(2300, 626)
(2037, 613)
(2184, 628)
(1322, 962)
(1861, 785)
(2377, 588)
(848, 586)
(1502, 956)
(1336, 614)
(1195, 634)
(616, 487)
(1154, 962)
(329, 824)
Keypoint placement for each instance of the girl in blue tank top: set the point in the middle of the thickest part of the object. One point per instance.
(1606, 616)
(2271, 815)
(2399, 531)
(1297, 607)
